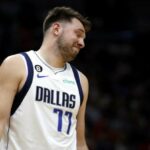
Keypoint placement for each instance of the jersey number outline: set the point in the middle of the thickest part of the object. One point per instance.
(60, 115)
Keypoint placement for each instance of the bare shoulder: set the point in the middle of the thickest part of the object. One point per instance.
(12, 62)
(12, 59)
(84, 79)
(12, 70)
(85, 85)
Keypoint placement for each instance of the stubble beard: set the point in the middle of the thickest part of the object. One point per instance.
(66, 50)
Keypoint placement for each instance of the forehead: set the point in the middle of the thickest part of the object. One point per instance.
(76, 25)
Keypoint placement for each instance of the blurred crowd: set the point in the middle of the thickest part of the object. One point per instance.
(115, 60)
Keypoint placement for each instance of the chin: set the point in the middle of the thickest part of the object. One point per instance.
(71, 58)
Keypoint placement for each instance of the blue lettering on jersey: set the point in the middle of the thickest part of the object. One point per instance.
(55, 97)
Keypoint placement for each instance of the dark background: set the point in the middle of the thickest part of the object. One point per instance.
(115, 60)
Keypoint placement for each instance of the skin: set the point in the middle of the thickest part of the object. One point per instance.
(62, 42)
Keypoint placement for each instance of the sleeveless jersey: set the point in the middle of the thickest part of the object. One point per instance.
(43, 115)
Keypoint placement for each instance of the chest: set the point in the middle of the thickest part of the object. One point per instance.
(57, 89)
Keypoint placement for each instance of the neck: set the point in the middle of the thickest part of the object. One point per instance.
(51, 57)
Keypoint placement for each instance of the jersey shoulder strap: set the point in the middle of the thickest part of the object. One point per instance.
(77, 78)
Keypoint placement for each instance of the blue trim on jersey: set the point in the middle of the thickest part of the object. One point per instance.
(20, 96)
(76, 74)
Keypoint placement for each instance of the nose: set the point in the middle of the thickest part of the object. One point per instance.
(81, 43)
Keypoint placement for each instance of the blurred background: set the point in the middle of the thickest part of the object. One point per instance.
(116, 61)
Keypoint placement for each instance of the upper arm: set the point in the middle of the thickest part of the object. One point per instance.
(11, 75)
(81, 114)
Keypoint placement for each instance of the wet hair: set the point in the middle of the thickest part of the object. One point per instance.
(63, 13)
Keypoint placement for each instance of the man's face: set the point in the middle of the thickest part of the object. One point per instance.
(71, 40)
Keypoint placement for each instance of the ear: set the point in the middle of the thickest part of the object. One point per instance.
(56, 28)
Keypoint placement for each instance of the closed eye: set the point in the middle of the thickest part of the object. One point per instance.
(80, 33)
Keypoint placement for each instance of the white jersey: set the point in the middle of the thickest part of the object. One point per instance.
(43, 115)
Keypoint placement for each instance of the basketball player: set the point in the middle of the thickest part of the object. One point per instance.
(42, 96)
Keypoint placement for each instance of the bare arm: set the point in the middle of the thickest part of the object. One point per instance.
(81, 141)
(10, 82)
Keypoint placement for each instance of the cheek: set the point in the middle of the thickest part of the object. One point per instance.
(70, 36)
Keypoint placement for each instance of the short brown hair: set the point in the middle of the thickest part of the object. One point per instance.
(63, 13)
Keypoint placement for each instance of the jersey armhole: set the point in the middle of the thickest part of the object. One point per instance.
(20, 96)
